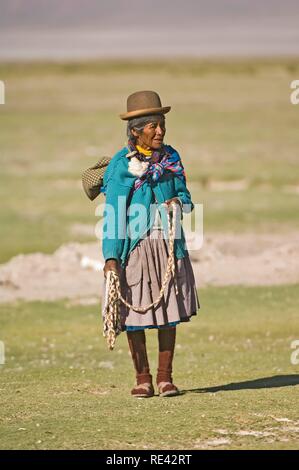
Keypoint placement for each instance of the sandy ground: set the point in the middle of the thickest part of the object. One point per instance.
(74, 271)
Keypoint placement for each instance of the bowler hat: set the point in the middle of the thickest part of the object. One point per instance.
(143, 103)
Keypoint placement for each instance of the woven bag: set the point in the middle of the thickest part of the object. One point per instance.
(92, 178)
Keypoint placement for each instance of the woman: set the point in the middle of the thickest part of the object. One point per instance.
(148, 174)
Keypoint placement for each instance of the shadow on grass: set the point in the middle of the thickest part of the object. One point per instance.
(265, 382)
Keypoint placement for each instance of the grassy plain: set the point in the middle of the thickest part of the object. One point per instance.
(231, 122)
(61, 387)
(237, 133)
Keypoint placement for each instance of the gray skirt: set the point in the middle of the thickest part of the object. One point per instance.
(141, 280)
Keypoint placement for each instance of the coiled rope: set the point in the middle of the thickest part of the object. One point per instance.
(113, 297)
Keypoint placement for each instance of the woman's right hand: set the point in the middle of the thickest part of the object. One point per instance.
(111, 265)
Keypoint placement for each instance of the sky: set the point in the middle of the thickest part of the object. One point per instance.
(61, 29)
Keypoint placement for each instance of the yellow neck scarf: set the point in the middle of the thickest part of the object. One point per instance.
(145, 152)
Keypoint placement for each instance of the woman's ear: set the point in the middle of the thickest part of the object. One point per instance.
(134, 133)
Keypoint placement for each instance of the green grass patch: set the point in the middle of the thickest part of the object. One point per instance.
(61, 388)
(230, 120)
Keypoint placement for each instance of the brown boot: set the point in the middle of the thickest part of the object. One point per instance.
(137, 344)
(166, 337)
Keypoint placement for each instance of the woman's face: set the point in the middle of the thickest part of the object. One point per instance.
(152, 135)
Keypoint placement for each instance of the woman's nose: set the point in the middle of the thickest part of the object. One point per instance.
(159, 130)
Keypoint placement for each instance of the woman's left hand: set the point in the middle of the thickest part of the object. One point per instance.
(173, 199)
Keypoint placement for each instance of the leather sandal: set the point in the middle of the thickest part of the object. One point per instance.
(145, 390)
(167, 389)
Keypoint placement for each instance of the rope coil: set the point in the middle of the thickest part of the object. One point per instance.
(113, 297)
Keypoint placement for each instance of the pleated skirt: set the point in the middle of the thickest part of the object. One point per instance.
(141, 281)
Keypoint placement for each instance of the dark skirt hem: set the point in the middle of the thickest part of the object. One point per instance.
(150, 327)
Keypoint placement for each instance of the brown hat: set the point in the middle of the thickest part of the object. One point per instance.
(143, 103)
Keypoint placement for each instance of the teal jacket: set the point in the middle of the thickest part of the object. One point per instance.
(118, 240)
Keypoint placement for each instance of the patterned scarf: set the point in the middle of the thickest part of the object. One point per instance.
(161, 161)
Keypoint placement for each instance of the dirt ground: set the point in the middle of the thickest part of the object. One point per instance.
(74, 270)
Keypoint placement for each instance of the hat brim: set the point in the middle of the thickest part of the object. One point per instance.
(144, 112)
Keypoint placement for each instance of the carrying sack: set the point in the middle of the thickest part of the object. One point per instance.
(92, 178)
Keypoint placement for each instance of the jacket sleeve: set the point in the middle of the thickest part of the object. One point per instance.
(110, 171)
(118, 187)
(180, 186)
(183, 193)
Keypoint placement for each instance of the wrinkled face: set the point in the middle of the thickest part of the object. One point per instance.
(152, 135)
